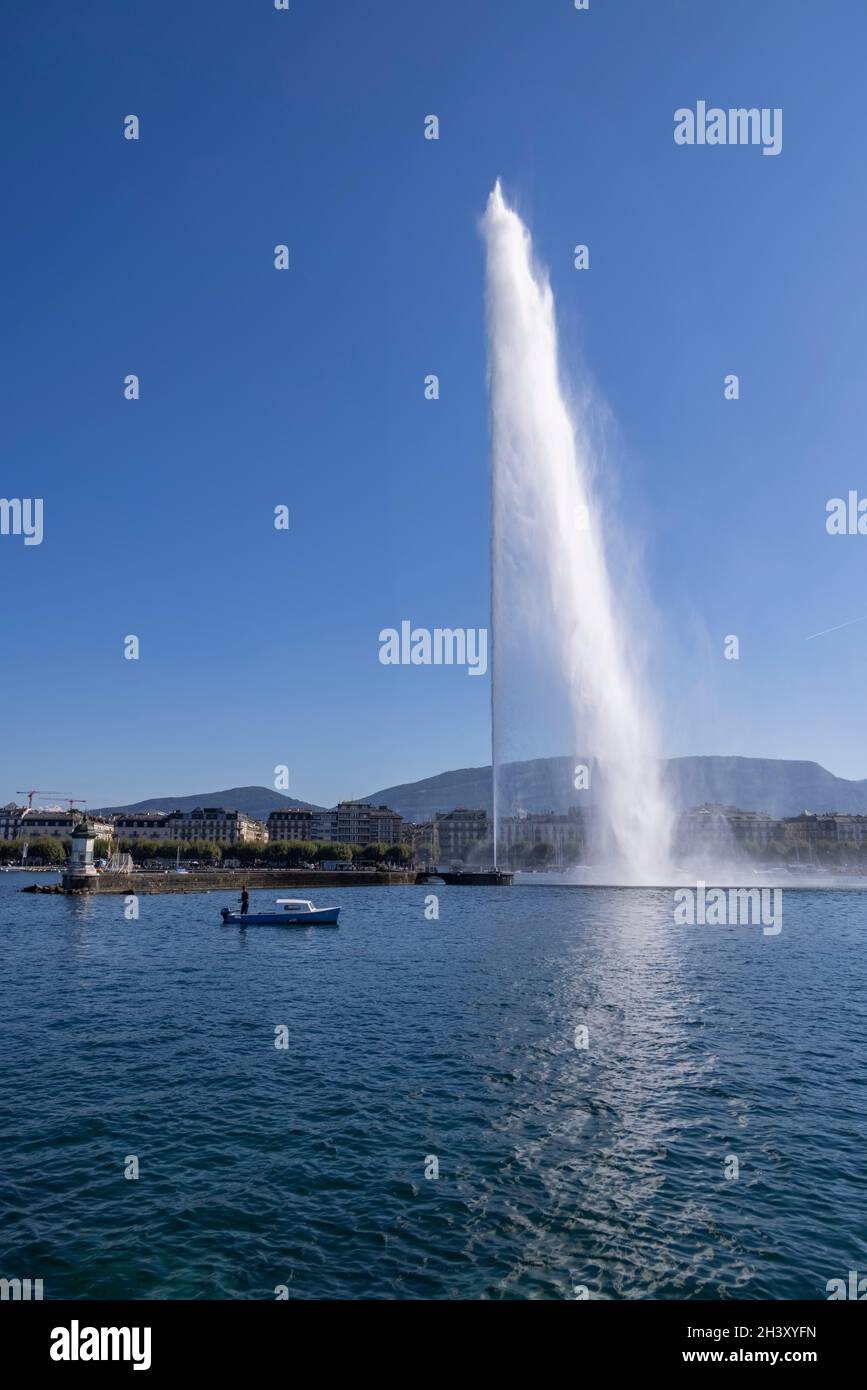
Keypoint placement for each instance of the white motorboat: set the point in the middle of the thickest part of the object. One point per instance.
(297, 912)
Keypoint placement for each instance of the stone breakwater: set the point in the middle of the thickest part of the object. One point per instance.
(232, 880)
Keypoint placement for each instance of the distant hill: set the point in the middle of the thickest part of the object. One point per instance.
(253, 801)
(774, 785)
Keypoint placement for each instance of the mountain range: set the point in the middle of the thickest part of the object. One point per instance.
(779, 786)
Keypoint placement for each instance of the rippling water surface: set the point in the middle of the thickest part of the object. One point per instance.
(456, 1038)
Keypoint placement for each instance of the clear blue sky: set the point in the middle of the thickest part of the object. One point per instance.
(257, 127)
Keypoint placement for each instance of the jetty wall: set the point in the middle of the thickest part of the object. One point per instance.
(232, 880)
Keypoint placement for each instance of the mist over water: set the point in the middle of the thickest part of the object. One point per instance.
(554, 609)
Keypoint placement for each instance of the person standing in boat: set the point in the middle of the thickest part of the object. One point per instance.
(245, 900)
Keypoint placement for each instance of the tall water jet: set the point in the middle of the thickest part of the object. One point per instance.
(553, 609)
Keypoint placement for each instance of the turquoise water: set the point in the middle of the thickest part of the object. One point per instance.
(410, 1038)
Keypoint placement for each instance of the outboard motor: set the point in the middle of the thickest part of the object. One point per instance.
(224, 913)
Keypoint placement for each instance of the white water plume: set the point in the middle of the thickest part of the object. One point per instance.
(551, 587)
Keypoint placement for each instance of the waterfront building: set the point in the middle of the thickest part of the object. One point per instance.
(214, 824)
(141, 825)
(10, 818)
(349, 823)
(566, 834)
(323, 825)
(460, 831)
(810, 827)
(55, 824)
(753, 829)
(361, 823)
(292, 824)
(716, 828)
(851, 828)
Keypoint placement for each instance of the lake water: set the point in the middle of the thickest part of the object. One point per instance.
(409, 1039)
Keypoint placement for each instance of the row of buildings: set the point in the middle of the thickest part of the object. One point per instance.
(721, 827)
(714, 829)
(352, 822)
(51, 823)
(452, 835)
(458, 836)
(349, 823)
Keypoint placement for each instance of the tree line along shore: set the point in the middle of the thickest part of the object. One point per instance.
(276, 854)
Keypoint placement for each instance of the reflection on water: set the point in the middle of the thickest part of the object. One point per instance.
(560, 1166)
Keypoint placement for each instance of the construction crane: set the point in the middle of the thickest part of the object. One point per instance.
(34, 791)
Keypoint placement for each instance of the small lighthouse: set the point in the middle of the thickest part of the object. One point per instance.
(81, 875)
